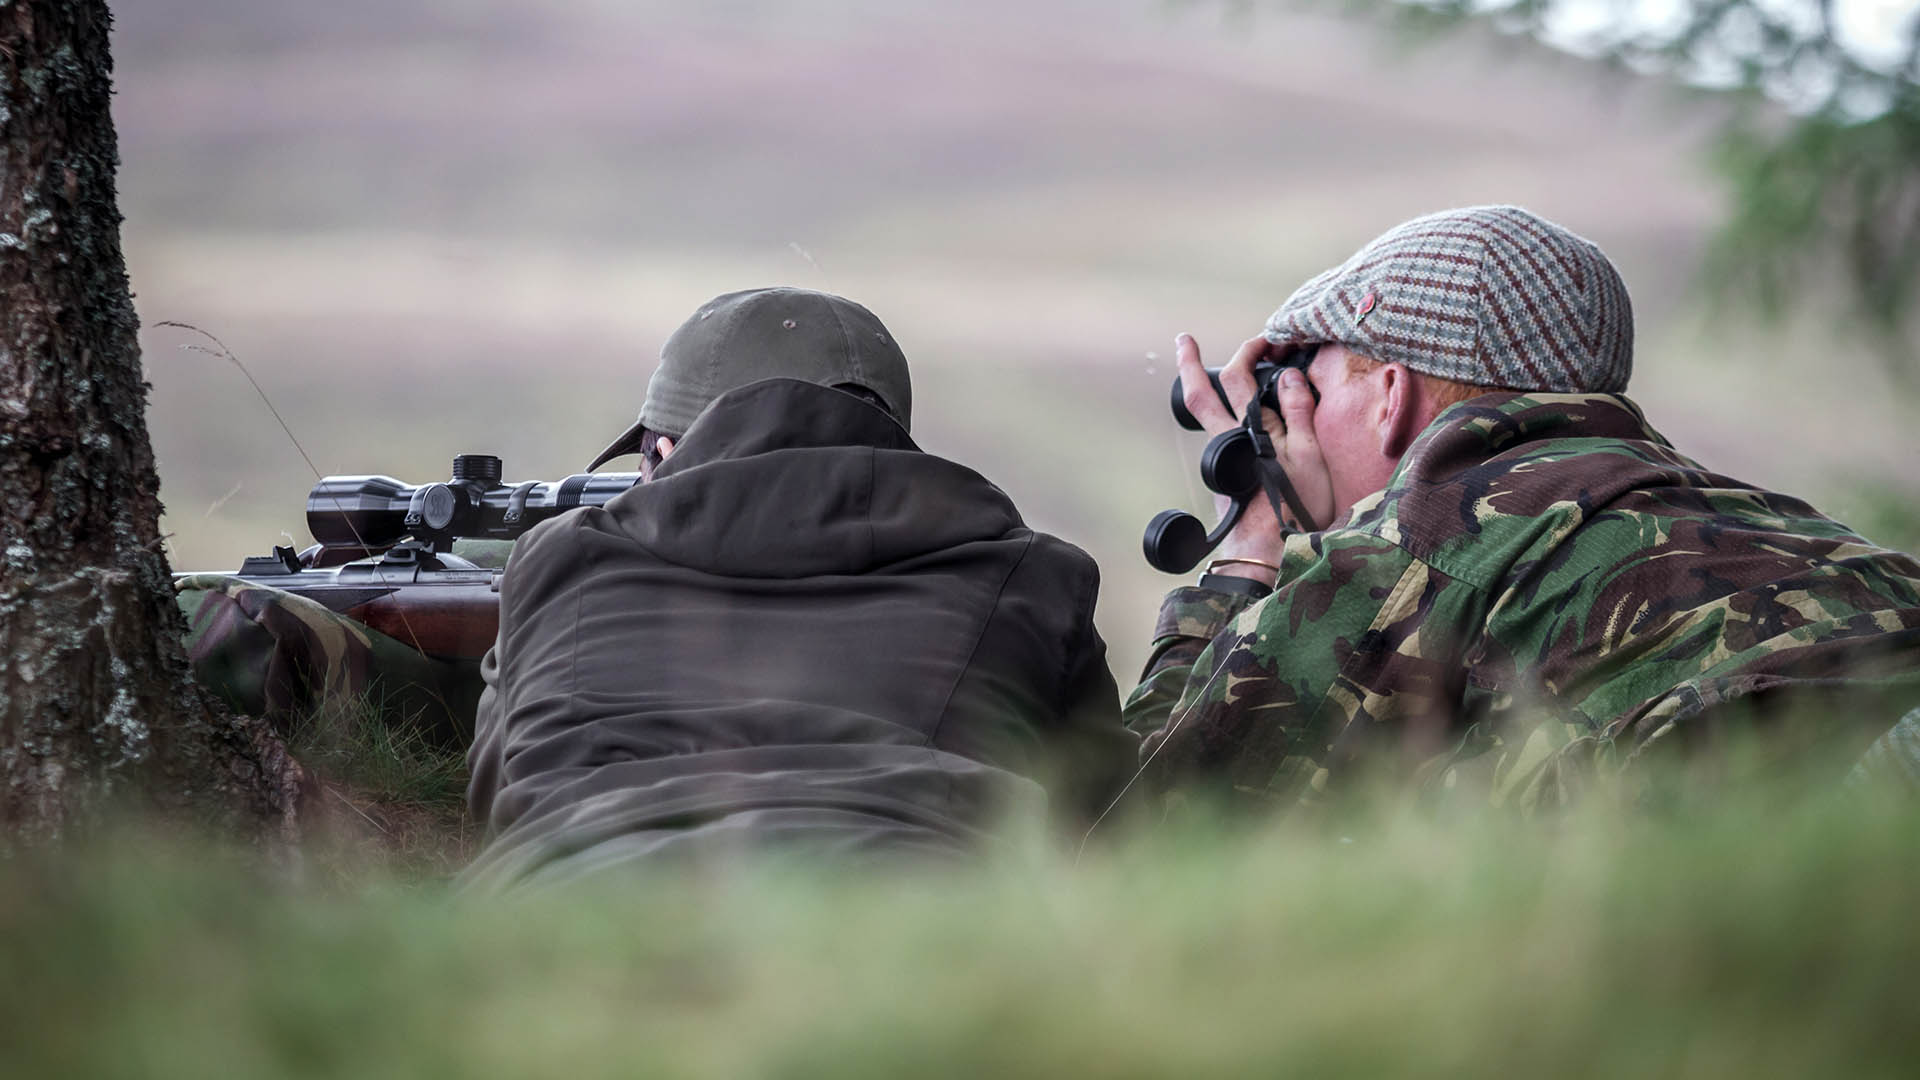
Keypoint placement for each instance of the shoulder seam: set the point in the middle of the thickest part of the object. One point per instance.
(979, 635)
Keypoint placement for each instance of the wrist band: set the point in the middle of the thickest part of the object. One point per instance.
(1239, 586)
(1233, 561)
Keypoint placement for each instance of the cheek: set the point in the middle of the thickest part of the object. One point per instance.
(1340, 430)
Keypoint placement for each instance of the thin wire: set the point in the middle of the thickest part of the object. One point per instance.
(228, 355)
(1195, 496)
(1167, 732)
(1165, 738)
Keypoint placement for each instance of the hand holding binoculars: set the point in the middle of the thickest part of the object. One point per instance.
(1238, 463)
(1266, 376)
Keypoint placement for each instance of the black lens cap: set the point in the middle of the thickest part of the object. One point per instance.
(1228, 464)
(1175, 542)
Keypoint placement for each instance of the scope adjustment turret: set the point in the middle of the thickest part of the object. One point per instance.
(483, 470)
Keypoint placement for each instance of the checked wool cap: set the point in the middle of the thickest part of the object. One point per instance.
(1486, 295)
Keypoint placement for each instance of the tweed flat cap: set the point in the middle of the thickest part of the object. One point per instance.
(1487, 295)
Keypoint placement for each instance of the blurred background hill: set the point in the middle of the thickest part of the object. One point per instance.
(432, 227)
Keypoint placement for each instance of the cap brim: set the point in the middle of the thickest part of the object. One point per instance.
(627, 443)
(1299, 354)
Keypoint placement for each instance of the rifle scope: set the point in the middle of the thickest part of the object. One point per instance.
(377, 512)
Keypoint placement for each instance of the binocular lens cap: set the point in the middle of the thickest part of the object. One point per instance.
(1175, 542)
(1229, 464)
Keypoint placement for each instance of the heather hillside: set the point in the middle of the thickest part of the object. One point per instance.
(431, 228)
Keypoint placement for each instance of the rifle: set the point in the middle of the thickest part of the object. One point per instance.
(385, 556)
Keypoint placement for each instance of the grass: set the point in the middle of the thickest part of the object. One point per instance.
(1748, 940)
(391, 800)
(366, 745)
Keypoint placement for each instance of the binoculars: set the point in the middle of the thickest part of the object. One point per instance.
(1238, 464)
(1266, 375)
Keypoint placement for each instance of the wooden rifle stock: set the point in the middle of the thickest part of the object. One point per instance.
(450, 621)
(444, 606)
(387, 551)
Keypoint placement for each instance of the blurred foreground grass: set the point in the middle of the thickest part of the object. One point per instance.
(393, 798)
(1751, 940)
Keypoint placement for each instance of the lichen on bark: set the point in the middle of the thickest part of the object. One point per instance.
(96, 699)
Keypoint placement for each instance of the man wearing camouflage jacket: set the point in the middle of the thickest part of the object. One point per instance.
(1524, 585)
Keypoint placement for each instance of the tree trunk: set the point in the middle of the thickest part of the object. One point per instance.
(96, 698)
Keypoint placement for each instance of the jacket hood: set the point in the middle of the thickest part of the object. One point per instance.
(785, 478)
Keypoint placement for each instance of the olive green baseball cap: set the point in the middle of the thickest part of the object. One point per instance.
(744, 337)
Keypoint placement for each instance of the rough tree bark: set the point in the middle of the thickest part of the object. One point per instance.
(96, 699)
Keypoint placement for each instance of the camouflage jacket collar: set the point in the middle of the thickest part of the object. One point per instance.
(1492, 424)
(1475, 433)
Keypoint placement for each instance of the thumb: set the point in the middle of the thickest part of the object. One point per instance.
(1296, 406)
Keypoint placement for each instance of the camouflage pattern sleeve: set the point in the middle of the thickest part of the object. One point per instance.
(270, 653)
(1358, 649)
(1642, 603)
(1190, 618)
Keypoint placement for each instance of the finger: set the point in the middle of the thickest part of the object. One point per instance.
(1296, 409)
(1237, 377)
(1196, 390)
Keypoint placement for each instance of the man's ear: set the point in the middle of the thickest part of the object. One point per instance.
(662, 446)
(1398, 415)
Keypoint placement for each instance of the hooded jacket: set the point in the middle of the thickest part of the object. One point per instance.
(803, 632)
